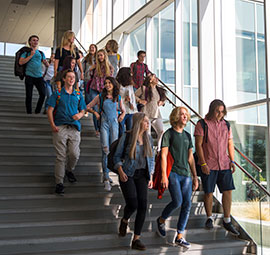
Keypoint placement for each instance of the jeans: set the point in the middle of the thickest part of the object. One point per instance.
(180, 188)
(108, 134)
(29, 84)
(135, 193)
(48, 92)
(92, 94)
(128, 121)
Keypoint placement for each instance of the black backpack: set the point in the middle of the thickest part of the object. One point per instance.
(19, 70)
(205, 138)
(113, 146)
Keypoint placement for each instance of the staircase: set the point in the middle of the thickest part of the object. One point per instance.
(35, 221)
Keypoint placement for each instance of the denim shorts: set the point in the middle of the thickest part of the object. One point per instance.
(223, 179)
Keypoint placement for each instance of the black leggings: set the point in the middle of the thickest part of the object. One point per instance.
(135, 194)
(29, 84)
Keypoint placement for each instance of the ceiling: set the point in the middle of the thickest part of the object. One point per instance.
(21, 18)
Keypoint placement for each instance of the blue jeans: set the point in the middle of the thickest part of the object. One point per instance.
(108, 134)
(48, 92)
(92, 94)
(128, 121)
(180, 188)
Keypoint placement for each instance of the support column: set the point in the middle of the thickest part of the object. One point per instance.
(267, 57)
(206, 37)
(149, 38)
(63, 19)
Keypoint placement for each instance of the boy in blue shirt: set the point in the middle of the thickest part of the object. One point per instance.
(66, 108)
(33, 73)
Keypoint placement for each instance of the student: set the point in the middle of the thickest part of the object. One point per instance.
(69, 63)
(135, 175)
(47, 76)
(217, 165)
(179, 143)
(64, 114)
(138, 69)
(152, 97)
(114, 57)
(67, 48)
(33, 73)
(111, 113)
(124, 78)
(103, 69)
(89, 64)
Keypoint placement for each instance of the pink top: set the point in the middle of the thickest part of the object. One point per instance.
(215, 150)
(98, 82)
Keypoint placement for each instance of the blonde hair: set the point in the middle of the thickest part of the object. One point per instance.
(134, 133)
(112, 45)
(175, 115)
(106, 64)
(65, 41)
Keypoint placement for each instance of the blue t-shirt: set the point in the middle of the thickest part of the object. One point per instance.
(69, 105)
(34, 65)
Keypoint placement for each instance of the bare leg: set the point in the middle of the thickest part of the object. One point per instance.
(227, 202)
(208, 203)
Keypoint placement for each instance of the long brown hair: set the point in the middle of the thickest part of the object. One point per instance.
(115, 89)
(213, 106)
(134, 134)
(89, 58)
(148, 88)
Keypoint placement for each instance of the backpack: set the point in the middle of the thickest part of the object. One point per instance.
(113, 147)
(205, 132)
(19, 70)
(58, 93)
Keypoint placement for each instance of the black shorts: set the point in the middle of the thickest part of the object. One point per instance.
(223, 179)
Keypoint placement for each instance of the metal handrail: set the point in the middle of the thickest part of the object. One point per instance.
(80, 44)
(243, 155)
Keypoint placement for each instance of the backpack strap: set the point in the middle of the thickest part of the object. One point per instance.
(119, 107)
(100, 103)
(118, 59)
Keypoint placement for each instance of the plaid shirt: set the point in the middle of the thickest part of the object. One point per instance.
(98, 82)
(138, 69)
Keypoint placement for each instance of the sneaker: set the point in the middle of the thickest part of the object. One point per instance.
(209, 224)
(161, 228)
(182, 242)
(138, 245)
(59, 189)
(123, 228)
(71, 177)
(107, 185)
(230, 227)
(108, 179)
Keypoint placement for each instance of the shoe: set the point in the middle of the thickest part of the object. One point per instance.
(59, 189)
(71, 177)
(123, 228)
(161, 228)
(107, 185)
(182, 242)
(97, 134)
(138, 245)
(108, 179)
(209, 224)
(230, 227)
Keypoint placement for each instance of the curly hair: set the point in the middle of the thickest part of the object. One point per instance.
(115, 89)
(124, 76)
(175, 115)
(112, 45)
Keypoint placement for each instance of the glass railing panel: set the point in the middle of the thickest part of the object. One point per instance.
(2, 48)
(251, 209)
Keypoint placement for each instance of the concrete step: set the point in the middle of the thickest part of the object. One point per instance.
(93, 243)
(75, 199)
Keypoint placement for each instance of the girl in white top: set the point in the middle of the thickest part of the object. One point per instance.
(125, 80)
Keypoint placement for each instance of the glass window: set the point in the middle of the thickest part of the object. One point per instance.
(12, 48)
(250, 52)
(118, 12)
(2, 48)
(163, 50)
(133, 6)
(137, 42)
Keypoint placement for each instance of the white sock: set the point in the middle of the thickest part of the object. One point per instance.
(210, 217)
(227, 220)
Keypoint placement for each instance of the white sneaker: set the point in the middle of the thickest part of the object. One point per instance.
(107, 185)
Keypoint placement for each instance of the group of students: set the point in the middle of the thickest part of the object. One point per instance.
(113, 102)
